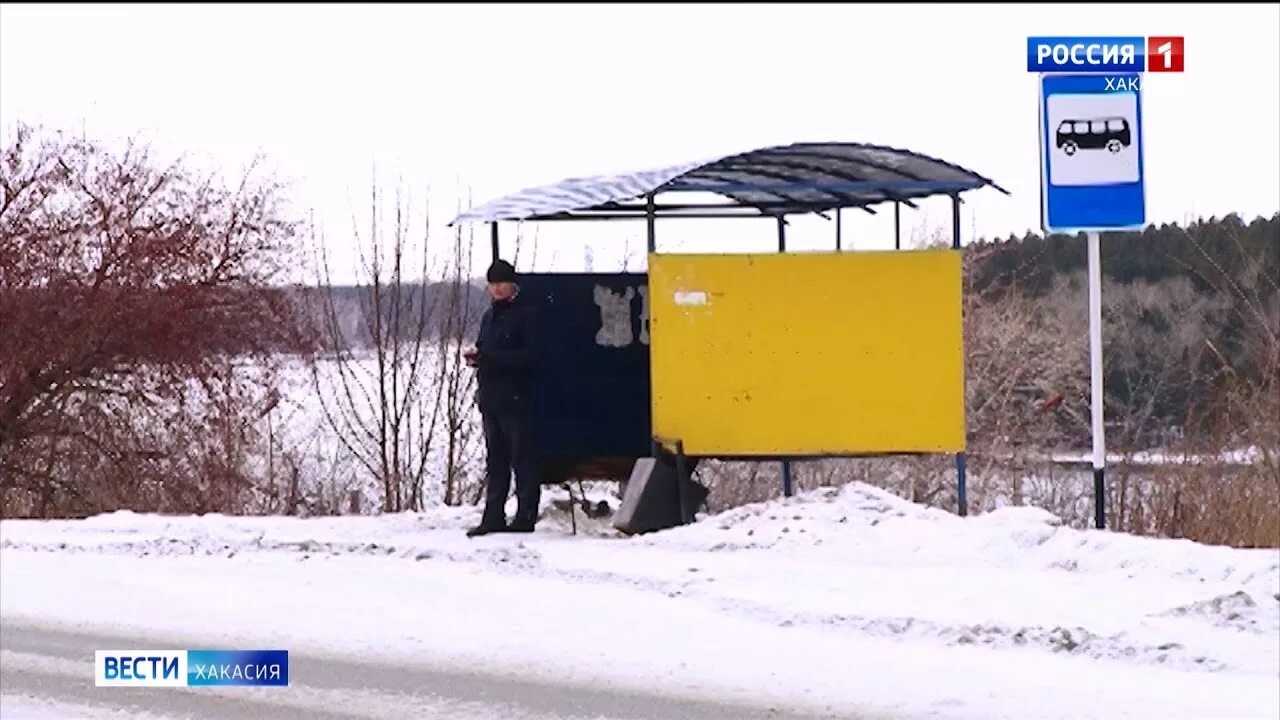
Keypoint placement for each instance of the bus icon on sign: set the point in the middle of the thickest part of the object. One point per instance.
(1109, 133)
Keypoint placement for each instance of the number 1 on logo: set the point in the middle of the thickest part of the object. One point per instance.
(1170, 52)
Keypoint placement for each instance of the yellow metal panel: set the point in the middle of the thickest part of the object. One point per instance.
(808, 353)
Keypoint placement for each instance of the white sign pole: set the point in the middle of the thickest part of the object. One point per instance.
(1092, 180)
(1095, 379)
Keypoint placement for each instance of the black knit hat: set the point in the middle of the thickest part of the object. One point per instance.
(501, 271)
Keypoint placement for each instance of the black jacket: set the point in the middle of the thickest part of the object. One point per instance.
(508, 352)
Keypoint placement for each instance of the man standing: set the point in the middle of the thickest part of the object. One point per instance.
(505, 356)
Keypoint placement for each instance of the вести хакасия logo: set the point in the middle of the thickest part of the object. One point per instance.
(190, 668)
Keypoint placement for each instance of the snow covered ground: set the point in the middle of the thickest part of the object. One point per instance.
(848, 602)
(30, 708)
(1244, 456)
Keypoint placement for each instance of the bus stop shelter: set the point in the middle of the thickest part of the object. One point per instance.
(739, 356)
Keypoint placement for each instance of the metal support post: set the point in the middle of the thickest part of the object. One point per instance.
(651, 222)
(1095, 381)
(786, 464)
(680, 480)
(897, 225)
(962, 489)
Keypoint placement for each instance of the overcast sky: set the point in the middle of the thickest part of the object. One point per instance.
(496, 98)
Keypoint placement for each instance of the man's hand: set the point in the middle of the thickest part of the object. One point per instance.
(470, 354)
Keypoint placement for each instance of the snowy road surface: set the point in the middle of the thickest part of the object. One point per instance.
(47, 674)
(843, 603)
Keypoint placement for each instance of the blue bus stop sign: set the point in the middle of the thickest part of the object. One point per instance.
(1091, 168)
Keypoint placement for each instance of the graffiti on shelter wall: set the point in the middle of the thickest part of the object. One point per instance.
(616, 314)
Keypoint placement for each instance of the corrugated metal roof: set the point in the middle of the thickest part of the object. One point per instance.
(802, 177)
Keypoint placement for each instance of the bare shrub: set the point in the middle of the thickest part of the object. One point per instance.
(399, 398)
(1231, 493)
(131, 295)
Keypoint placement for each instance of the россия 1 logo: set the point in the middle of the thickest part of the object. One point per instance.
(1156, 53)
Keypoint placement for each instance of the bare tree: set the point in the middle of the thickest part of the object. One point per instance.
(127, 292)
(458, 382)
(396, 394)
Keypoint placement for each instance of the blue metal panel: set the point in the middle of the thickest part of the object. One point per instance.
(593, 386)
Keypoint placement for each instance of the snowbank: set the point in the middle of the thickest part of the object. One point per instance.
(835, 600)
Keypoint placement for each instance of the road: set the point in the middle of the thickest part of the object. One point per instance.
(47, 668)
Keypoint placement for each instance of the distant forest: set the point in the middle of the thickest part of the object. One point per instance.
(1199, 253)
(1189, 314)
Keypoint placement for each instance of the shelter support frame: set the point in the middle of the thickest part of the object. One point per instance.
(650, 216)
(817, 178)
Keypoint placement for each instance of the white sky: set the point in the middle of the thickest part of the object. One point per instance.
(497, 98)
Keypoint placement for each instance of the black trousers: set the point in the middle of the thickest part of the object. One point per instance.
(508, 436)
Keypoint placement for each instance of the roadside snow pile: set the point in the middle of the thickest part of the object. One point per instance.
(853, 560)
(860, 559)
(868, 524)
(406, 534)
(810, 519)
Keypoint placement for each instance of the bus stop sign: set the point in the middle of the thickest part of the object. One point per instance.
(1091, 164)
